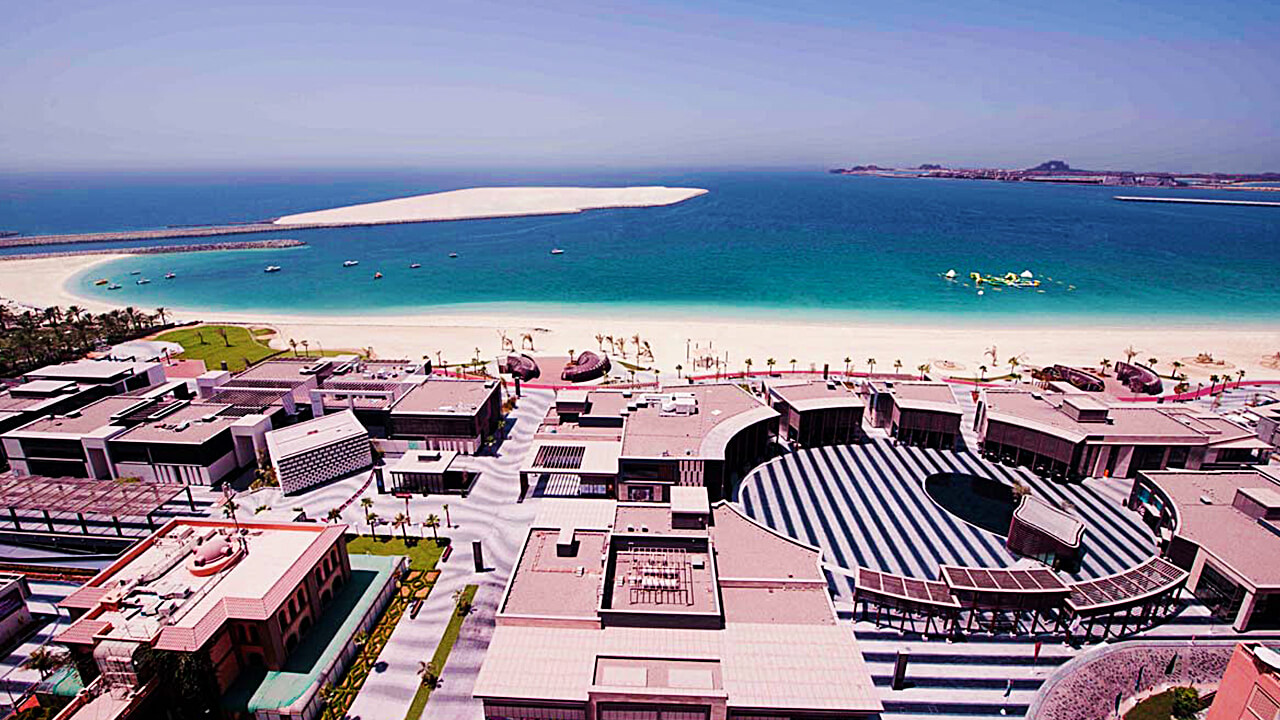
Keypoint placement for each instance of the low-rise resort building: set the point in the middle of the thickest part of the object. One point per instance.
(1223, 527)
(622, 610)
(914, 412)
(443, 414)
(1250, 688)
(815, 414)
(265, 611)
(15, 616)
(637, 445)
(318, 451)
(1073, 435)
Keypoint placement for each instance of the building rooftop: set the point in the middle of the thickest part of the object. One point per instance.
(194, 422)
(423, 461)
(154, 579)
(280, 369)
(721, 412)
(1061, 526)
(446, 397)
(1207, 516)
(91, 370)
(1122, 424)
(86, 420)
(550, 453)
(306, 436)
(689, 499)
(815, 395)
(777, 648)
(920, 395)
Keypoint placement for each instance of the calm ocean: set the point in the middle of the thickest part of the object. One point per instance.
(780, 243)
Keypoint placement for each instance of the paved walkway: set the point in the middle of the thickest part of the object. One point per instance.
(489, 514)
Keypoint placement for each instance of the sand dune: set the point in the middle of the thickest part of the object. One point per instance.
(494, 202)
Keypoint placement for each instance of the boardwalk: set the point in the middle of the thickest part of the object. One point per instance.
(865, 506)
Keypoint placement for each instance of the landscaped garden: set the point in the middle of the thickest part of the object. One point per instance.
(430, 670)
(413, 588)
(215, 344)
(1180, 703)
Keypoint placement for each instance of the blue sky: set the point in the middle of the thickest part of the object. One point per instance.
(143, 84)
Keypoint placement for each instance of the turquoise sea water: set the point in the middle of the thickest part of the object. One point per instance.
(796, 244)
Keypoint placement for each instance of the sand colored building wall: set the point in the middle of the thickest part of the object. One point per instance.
(1250, 689)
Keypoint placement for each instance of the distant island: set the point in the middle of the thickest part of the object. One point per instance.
(1059, 171)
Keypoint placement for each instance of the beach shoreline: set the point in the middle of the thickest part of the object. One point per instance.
(677, 338)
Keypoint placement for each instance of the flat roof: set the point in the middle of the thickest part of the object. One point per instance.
(592, 457)
(277, 557)
(309, 435)
(99, 370)
(423, 461)
(446, 397)
(546, 584)
(278, 369)
(1207, 517)
(651, 433)
(193, 423)
(1125, 423)
(690, 499)
(86, 420)
(1061, 526)
(85, 495)
(815, 395)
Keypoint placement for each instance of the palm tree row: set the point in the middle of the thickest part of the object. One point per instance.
(32, 339)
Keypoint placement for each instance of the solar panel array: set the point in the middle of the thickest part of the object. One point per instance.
(923, 591)
(999, 580)
(1151, 577)
(559, 457)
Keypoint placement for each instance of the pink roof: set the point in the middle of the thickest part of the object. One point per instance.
(722, 411)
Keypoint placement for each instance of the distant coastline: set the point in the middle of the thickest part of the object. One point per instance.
(1059, 172)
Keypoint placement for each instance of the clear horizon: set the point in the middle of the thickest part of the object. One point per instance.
(142, 85)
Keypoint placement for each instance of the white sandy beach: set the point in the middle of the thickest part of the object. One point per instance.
(493, 202)
(456, 335)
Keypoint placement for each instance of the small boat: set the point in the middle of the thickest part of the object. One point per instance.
(169, 276)
(453, 255)
(351, 263)
(557, 251)
(377, 276)
(415, 266)
(101, 281)
(114, 286)
(135, 272)
(143, 281)
(272, 268)
(951, 274)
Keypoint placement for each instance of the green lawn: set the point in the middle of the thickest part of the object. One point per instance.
(204, 342)
(442, 654)
(423, 554)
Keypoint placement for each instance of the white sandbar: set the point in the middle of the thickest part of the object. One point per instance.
(493, 202)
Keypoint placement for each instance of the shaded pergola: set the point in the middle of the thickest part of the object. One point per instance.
(57, 501)
(1132, 599)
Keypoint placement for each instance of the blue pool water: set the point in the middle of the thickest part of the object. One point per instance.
(785, 243)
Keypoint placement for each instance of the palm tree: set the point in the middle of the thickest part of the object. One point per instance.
(600, 341)
(448, 522)
(771, 362)
(793, 364)
(44, 661)
(747, 362)
(293, 345)
(1151, 363)
(461, 602)
(367, 505)
(924, 370)
(305, 348)
(847, 360)
(429, 673)
(1213, 381)
(1013, 365)
(401, 521)
(433, 522)
(160, 312)
(1176, 367)
(871, 363)
(679, 367)
(983, 369)
(373, 524)
(1104, 364)
(1239, 377)
(1129, 352)
(334, 515)
(222, 331)
(897, 366)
